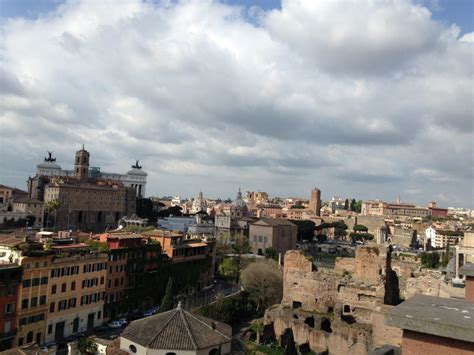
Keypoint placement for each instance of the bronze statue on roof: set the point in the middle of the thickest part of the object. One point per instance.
(136, 166)
(50, 157)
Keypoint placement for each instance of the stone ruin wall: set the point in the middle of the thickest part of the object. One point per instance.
(303, 288)
(353, 288)
(369, 264)
(340, 338)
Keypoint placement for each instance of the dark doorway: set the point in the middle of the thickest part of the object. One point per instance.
(59, 331)
(29, 337)
(90, 321)
(38, 338)
(75, 325)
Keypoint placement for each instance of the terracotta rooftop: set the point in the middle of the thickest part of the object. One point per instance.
(11, 240)
(275, 222)
(178, 330)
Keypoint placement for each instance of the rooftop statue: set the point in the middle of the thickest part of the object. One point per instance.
(136, 166)
(50, 157)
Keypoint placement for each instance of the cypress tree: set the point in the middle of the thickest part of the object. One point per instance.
(167, 301)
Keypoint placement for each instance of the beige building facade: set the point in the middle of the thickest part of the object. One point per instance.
(30, 206)
(90, 206)
(279, 234)
(33, 300)
(75, 295)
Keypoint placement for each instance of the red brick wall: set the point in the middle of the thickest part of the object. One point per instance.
(469, 289)
(414, 343)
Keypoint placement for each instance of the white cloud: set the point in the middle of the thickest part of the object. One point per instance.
(342, 94)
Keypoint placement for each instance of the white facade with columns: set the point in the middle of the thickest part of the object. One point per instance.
(135, 177)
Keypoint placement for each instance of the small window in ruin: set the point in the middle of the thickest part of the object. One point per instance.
(296, 304)
(347, 308)
(295, 316)
(310, 321)
(330, 309)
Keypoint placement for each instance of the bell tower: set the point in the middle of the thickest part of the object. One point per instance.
(81, 165)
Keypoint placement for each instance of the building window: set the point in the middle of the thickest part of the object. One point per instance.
(42, 300)
(50, 328)
(133, 349)
(63, 287)
(26, 283)
(24, 303)
(34, 301)
(53, 289)
(51, 307)
(73, 285)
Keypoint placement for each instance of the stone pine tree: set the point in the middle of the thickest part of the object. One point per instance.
(392, 289)
(167, 301)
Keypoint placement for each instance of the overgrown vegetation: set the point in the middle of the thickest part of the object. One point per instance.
(429, 259)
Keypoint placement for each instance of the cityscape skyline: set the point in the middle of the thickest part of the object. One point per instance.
(216, 96)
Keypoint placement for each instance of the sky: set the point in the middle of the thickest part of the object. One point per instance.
(361, 98)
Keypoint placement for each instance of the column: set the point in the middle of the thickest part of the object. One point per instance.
(456, 266)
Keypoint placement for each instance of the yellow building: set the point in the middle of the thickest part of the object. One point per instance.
(33, 299)
(76, 295)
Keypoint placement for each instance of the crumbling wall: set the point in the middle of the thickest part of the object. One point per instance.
(383, 334)
(369, 263)
(344, 265)
(325, 334)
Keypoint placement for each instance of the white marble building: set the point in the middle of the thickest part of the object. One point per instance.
(135, 177)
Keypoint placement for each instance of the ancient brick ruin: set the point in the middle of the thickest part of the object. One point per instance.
(335, 310)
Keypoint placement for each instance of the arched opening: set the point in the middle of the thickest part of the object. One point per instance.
(170, 354)
(133, 348)
(326, 325)
(29, 337)
(310, 321)
(214, 352)
(347, 308)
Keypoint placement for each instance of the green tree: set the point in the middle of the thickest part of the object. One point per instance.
(297, 206)
(257, 327)
(346, 204)
(360, 236)
(263, 281)
(87, 346)
(173, 210)
(229, 268)
(340, 229)
(446, 256)
(270, 253)
(52, 207)
(305, 229)
(353, 205)
(360, 228)
(145, 209)
(429, 260)
(358, 206)
(167, 302)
